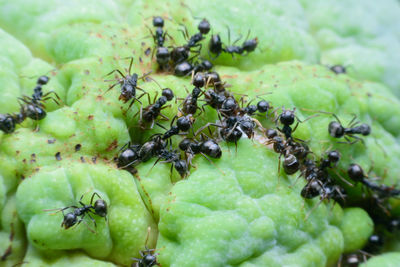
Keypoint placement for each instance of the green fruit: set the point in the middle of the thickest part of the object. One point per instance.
(238, 210)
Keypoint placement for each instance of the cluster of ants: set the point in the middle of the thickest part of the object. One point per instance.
(30, 107)
(179, 59)
(237, 118)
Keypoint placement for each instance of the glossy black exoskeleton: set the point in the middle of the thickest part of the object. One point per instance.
(99, 207)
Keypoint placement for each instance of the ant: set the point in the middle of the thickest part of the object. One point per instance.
(174, 158)
(338, 69)
(162, 54)
(206, 148)
(71, 218)
(204, 28)
(337, 130)
(183, 123)
(262, 107)
(128, 85)
(356, 173)
(287, 118)
(152, 111)
(33, 107)
(148, 259)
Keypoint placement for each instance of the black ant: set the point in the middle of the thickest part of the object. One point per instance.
(338, 69)
(337, 130)
(183, 123)
(33, 107)
(356, 173)
(152, 111)
(128, 85)
(148, 259)
(174, 158)
(203, 27)
(71, 218)
(162, 53)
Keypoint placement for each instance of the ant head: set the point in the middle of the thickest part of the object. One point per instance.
(263, 106)
(100, 207)
(250, 45)
(204, 26)
(211, 148)
(287, 117)
(149, 260)
(183, 123)
(162, 55)
(229, 104)
(7, 123)
(355, 172)
(42, 80)
(70, 219)
(207, 65)
(311, 190)
(334, 156)
(185, 144)
(336, 129)
(365, 129)
(199, 80)
(213, 78)
(290, 164)
(168, 94)
(181, 167)
(271, 133)
(158, 21)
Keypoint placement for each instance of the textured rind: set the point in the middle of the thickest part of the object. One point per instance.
(391, 259)
(257, 225)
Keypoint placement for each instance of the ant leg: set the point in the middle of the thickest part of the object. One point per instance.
(353, 123)
(116, 70)
(205, 126)
(240, 37)
(313, 208)
(111, 87)
(94, 194)
(204, 155)
(160, 125)
(93, 220)
(341, 178)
